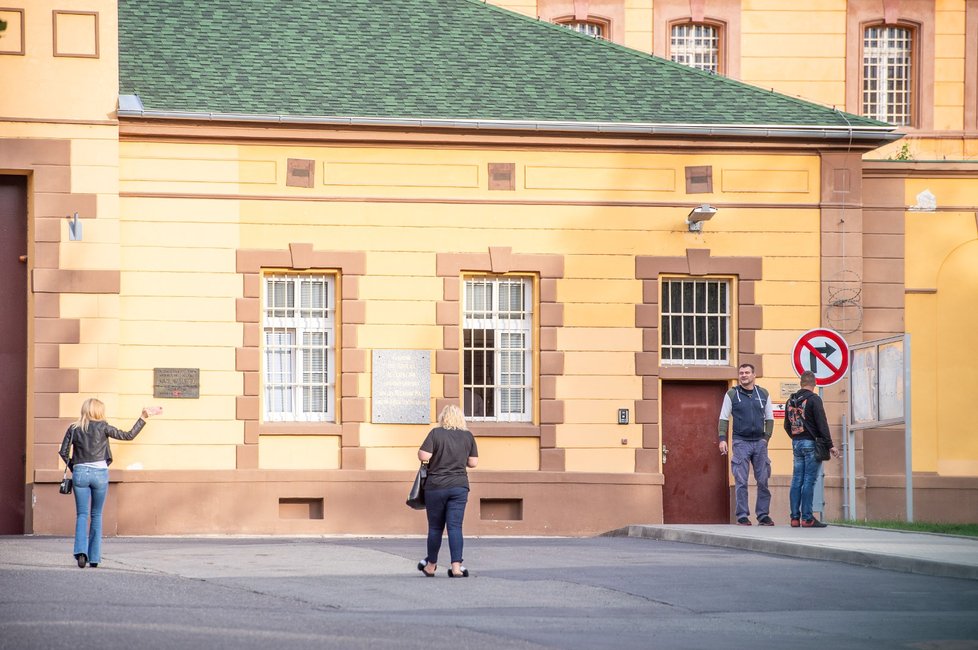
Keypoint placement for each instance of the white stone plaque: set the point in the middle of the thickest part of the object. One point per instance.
(401, 388)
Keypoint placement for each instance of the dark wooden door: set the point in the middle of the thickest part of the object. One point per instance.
(13, 352)
(696, 488)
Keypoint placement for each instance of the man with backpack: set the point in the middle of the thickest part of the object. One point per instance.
(805, 422)
(753, 423)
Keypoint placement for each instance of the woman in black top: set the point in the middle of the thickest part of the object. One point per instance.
(449, 449)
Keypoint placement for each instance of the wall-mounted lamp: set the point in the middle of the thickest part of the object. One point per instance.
(698, 215)
(74, 228)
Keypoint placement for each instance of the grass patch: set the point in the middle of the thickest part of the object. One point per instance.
(968, 530)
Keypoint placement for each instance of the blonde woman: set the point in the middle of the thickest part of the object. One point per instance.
(449, 449)
(87, 440)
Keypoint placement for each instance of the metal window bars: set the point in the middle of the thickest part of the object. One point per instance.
(888, 74)
(496, 349)
(695, 325)
(586, 27)
(298, 332)
(697, 46)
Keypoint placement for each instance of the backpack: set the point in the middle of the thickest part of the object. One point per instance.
(795, 413)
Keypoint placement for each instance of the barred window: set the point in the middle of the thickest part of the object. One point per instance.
(695, 322)
(888, 74)
(299, 346)
(696, 45)
(588, 27)
(497, 350)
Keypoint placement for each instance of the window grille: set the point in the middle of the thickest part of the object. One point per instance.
(695, 322)
(587, 27)
(888, 74)
(497, 349)
(697, 46)
(298, 331)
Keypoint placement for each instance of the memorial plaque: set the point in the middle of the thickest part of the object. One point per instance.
(176, 383)
(401, 387)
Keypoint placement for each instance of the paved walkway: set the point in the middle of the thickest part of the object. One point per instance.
(525, 593)
(924, 553)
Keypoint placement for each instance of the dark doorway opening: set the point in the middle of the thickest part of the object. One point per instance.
(13, 352)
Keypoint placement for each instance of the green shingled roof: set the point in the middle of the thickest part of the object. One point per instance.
(434, 59)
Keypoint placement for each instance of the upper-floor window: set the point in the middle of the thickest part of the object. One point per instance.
(590, 27)
(497, 337)
(696, 45)
(298, 373)
(695, 322)
(887, 92)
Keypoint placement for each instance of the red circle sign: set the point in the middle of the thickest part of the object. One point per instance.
(824, 352)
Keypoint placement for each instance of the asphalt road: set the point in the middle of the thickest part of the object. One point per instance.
(238, 593)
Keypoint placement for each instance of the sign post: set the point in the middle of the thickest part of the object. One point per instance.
(826, 354)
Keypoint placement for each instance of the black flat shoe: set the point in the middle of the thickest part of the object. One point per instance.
(82, 560)
(93, 565)
(421, 566)
(463, 574)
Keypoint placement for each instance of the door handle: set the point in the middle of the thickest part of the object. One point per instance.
(665, 452)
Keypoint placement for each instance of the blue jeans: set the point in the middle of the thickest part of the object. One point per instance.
(445, 507)
(745, 454)
(91, 485)
(803, 478)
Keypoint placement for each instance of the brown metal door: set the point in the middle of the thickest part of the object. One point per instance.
(696, 489)
(13, 351)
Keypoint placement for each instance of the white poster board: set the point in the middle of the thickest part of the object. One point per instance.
(877, 389)
(879, 396)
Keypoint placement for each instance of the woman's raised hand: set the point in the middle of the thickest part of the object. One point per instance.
(151, 410)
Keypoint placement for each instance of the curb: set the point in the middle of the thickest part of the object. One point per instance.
(900, 563)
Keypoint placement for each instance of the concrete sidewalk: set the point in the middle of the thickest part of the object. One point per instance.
(928, 554)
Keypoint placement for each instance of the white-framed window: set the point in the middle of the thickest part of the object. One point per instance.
(497, 338)
(588, 27)
(695, 322)
(696, 45)
(888, 74)
(298, 335)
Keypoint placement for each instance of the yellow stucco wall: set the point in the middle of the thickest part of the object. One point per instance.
(179, 281)
(941, 251)
(59, 76)
(186, 209)
(795, 48)
(59, 66)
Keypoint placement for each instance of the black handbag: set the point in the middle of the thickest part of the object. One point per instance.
(416, 495)
(66, 483)
(822, 449)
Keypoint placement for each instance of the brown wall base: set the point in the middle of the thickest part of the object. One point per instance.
(935, 498)
(354, 502)
(501, 503)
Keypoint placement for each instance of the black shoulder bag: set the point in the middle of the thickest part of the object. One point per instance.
(66, 483)
(416, 495)
(822, 448)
